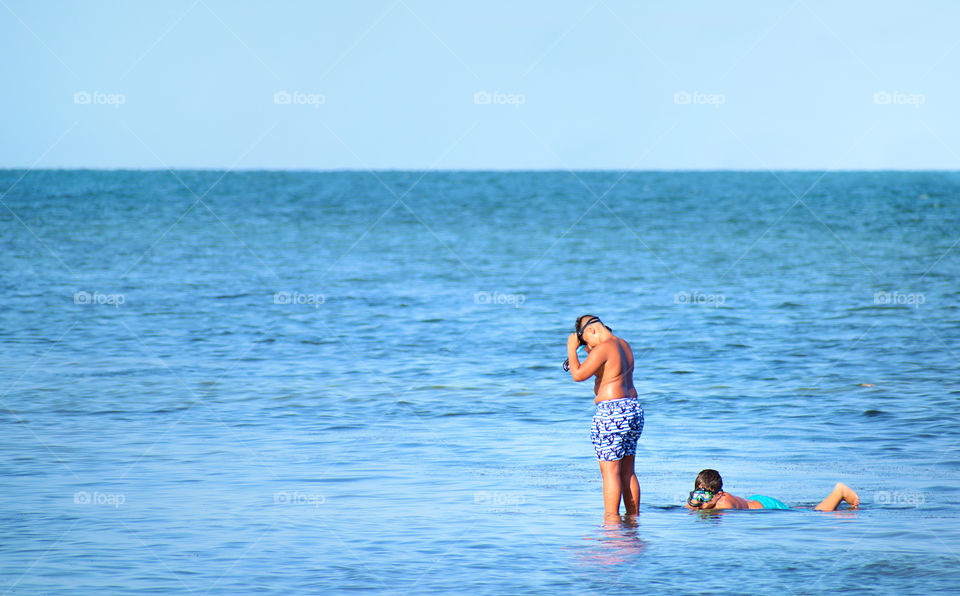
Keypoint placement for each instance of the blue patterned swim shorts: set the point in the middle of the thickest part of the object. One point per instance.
(616, 427)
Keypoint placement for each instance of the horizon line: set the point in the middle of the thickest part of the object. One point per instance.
(539, 170)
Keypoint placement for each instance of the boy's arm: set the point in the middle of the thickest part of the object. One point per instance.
(596, 377)
(596, 358)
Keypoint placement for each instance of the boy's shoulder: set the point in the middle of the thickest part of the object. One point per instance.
(728, 501)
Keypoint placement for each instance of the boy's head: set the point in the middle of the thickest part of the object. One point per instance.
(587, 331)
(708, 480)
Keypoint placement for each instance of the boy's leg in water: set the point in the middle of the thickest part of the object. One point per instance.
(610, 470)
(629, 486)
(841, 492)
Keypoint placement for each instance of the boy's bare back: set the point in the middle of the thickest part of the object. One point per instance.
(613, 371)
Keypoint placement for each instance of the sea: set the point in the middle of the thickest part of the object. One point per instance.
(333, 382)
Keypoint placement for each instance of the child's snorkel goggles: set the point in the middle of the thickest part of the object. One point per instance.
(699, 497)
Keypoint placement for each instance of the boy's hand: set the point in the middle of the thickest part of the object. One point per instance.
(712, 502)
(572, 342)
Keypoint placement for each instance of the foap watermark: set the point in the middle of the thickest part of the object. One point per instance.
(899, 298)
(486, 98)
(114, 500)
(514, 300)
(314, 300)
(295, 497)
(912, 499)
(97, 98)
(686, 98)
(298, 98)
(499, 499)
(714, 300)
(83, 297)
(898, 98)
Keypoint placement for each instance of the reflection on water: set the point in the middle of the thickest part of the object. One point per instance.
(710, 515)
(617, 541)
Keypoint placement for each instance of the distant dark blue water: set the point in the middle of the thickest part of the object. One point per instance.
(223, 383)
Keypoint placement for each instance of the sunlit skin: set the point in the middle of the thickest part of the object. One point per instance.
(610, 361)
(724, 500)
(840, 492)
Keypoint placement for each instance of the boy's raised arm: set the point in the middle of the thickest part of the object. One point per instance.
(582, 372)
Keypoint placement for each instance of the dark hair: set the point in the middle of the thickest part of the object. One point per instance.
(709, 480)
(576, 324)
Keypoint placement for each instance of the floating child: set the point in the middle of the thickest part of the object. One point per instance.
(708, 493)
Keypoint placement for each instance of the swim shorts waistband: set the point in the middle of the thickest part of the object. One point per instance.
(607, 401)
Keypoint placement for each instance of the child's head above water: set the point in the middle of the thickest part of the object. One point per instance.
(705, 487)
(709, 480)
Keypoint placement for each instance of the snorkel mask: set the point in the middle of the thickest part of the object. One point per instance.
(590, 321)
(699, 497)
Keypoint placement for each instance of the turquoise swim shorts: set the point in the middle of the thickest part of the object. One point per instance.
(768, 502)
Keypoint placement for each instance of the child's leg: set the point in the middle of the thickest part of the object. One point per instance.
(629, 485)
(841, 492)
(610, 470)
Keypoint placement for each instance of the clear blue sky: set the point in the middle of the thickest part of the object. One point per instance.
(771, 84)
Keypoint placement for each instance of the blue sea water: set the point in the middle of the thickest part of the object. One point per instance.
(334, 382)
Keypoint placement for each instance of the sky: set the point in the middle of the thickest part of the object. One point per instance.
(411, 84)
